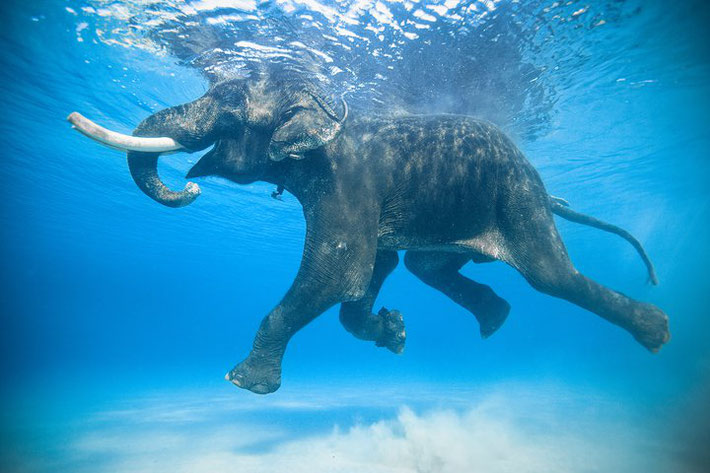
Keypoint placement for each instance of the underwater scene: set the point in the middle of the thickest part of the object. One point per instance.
(382, 236)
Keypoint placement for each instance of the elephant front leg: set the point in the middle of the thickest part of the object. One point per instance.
(386, 328)
(336, 267)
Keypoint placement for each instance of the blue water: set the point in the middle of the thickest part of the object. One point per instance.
(120, 316)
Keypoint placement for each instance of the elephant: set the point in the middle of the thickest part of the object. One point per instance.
(447, 189)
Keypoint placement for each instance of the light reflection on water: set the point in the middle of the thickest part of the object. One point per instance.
(491, 58)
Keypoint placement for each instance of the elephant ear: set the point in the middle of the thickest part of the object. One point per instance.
(307, 125)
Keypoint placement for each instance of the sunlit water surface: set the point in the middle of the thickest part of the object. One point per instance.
(120, 317)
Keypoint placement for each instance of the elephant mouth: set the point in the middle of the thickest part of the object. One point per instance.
(233, 158)
(207, 165)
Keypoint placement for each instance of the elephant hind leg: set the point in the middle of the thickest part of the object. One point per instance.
(386, 328)
(540, 256)
(440, 270)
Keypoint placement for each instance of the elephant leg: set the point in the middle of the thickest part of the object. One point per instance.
(440, 270)
(336, 267)
(386, 328)
(540, 256)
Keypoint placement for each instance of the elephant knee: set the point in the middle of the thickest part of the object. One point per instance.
(350, 317)
(353, 285)
(553, 283)
(337, 294)
(354, 293)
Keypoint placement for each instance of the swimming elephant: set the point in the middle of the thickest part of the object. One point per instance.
(448, 189)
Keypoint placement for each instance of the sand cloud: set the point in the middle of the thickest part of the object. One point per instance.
(510, 430)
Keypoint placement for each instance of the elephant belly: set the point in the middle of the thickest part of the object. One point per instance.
(453, 216)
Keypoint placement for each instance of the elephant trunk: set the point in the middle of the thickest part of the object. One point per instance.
(189, 127)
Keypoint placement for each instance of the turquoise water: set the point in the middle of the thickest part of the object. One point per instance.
(120, 316)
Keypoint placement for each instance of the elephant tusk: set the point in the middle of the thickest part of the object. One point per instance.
(120, 141)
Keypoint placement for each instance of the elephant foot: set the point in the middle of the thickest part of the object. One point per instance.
(260, 377)
(492, 316)
(393, 333)
(651, 327)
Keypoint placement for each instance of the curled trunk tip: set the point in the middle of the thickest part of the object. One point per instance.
(144, 170)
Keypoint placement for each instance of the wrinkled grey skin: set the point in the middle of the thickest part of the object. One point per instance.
(448, 189)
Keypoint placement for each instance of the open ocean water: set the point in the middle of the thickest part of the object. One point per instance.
(120, 317)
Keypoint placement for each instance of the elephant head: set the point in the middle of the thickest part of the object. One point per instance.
(251, 123)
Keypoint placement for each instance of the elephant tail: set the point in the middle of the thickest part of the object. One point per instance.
(561, 207)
